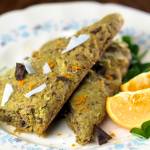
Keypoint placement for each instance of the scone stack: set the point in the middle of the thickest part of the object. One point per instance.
(35, 91)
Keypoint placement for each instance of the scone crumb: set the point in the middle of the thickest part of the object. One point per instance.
(112, 134)
(73, 145)
(59, 134)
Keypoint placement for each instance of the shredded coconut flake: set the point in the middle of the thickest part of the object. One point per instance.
(76, 41)
(7, 93)
(36, 90)
(46, 69)
(29, 67)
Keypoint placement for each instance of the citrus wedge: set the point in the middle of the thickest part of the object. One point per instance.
(129, 109)
(139, 82)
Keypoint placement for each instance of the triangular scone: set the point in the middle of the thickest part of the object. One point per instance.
(34, 113)
(87, 104)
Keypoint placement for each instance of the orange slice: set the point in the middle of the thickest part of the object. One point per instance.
(139, 82)
(129, 109)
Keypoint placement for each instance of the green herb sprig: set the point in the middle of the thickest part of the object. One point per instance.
(144, 131)
(136, 67)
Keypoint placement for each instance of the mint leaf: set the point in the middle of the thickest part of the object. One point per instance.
(134, 49)
(145, 67)
(135, 60)
(136, 66)
(146, 70)
(127, 39)
(144, 131)
(142, 55)
(145, 125)
(131, 73)
(146, 128)
(147, 132)
(138, 132)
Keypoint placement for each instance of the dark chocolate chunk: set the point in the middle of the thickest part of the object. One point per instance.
(20, 71)
(22, 123)
(62, 78)
(103, 137)
(99, 69)
(32, 110)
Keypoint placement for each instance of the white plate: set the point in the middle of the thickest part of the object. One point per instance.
(22, 32)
